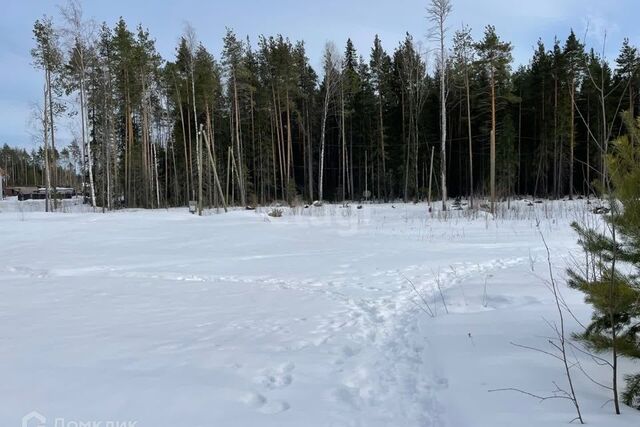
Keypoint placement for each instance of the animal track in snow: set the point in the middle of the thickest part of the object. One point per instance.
(274, 407)
(262, 404)
(277, 378)
(254, 400)
(273, 382)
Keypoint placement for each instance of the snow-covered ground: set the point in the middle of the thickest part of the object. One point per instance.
(239, 319)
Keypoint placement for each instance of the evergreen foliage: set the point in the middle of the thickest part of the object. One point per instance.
(611, 281)
(261, 105)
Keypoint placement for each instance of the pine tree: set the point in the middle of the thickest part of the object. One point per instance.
(48, 57)
(463, 56)
(574, 58)
(628, 72)
(495, 58)
(350, 89)
(609, 286)
(380, 69)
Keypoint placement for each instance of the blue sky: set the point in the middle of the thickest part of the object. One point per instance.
(520, 21)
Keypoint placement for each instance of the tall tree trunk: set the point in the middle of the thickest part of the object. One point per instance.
(309, 154)
(572, 138)
(493, 143)
(53, 143)
(588, 168)
(229, 176)
(210, 150)
(187, 172)
(45, 123)
(443, 118)
(433, 149)
(382, 151)
(155, 169)
(240, 169)
(366, 174)
(253, 142)
(407, 144)
(273, 154)
(470, 136)
(279, 139)
(323, 131)
(344, 143)
(555, 138)
(289, 149)
(84, 138)
(198, 132)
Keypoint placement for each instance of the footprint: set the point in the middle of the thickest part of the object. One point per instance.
(348, 351)
(275, 407)
(345, 395)
(321, 340)
(442, 383)
(287, 367)
(282, 381)
(254, 400)
(272, 382)
(277, 378)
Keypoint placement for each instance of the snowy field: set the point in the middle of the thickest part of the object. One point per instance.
(239, 319)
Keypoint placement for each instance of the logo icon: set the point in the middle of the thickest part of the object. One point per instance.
(34, 419)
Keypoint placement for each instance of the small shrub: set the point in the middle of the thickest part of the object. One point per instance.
(275, 213)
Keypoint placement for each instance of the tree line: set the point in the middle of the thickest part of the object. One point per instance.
(257, 123)
(25, 168)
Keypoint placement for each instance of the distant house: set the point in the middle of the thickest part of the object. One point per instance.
(40, 193)
(18, 191)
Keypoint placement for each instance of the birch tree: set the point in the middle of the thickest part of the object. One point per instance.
(331, 62)
(191, 39)
(77, 32)
(439, 11)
